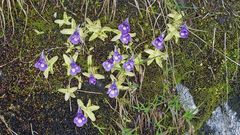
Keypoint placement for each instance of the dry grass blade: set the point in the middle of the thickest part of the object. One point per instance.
(7, 126)
(9, 11)
(37, 11)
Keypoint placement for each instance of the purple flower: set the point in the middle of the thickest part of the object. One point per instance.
(117, 57)
(75, 38)
(74, 68)
(113, 91)
(108, 64)
(129, 65)
(92, 80)
(80, 119)
(184, 31)
(159, 42)
(41, 64)
(125, 38)
(124, 27)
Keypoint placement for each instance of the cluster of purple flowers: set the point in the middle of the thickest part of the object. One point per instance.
(124, 27)
(80, 119)
(117, 57)
(158, 42)
(109, 64)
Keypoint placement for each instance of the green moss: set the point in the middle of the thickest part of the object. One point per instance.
(207, 100)
(153, 82)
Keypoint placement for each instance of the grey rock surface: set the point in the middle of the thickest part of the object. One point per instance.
(186, 99)
(224, 121)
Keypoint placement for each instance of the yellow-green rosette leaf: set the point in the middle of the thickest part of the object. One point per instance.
(98, 76)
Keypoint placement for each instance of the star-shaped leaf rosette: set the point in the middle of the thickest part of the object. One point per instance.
(88, 109)
(63, 21)
(176, 28)
(77, 35)
(69, 92)
(96, 30)
(45, 65)
(156, 55)
(92, 74)
(117, 83)
(75, 31)
(72, 67)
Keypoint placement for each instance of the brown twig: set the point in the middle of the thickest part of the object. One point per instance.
(89, 92)
(9, 62)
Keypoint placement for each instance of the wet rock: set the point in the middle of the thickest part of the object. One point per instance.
(224, 121)
(186, 99)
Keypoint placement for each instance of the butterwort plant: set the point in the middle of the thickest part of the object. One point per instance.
(175, 22)
(72, 67)
(63, 21)
(124, 27)
(113, 89)
(92, 79)
(92, 74)
(125, 38)
(76, 32)
(157, 55)
(41, 64)
(76, 36)
(96, 30)
(123, 33)
(117, 62)
(69, 92)
(88, 109)
(45, 65)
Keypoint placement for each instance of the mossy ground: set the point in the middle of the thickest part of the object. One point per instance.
(28, 99)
